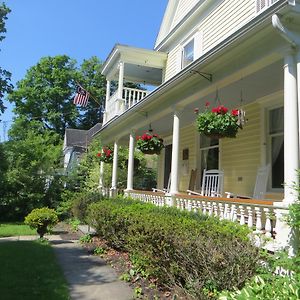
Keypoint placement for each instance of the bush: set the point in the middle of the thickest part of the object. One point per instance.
(199, 254)
(42, 219)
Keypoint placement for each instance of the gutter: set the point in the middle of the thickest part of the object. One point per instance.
(187, 72)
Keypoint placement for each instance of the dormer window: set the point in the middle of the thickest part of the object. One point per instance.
(187, 54)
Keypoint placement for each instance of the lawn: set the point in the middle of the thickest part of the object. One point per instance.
(15, 229)
(29, 271)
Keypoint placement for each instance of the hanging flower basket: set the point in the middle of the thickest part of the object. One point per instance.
(219, 122)
(149, 143)
(106, 155)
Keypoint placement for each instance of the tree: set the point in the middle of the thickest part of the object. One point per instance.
(47, 91)
(5, 85)
(33, 154)
(46, 94)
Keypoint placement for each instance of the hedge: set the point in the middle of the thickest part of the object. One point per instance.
(196, 253)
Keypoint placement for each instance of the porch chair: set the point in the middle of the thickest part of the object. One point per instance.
(260, 185)
(212, 184)
(164, 190)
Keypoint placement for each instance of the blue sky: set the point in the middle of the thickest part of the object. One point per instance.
(78, 28)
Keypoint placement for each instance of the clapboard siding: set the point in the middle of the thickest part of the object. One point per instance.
(184, 6)
(187, 140)
(215, 27)
(241, 157)
(227, 18)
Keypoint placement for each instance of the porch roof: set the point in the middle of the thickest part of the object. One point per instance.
(210, 62)
(141, 65)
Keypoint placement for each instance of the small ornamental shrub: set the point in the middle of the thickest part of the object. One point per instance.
(198, 254)
(42, 219)
(106, 155)
(149, 143)
(219, 121)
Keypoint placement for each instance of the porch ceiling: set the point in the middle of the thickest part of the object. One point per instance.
(140, 65)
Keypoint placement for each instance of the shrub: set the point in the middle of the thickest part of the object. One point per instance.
(197, 253)
(42, 219)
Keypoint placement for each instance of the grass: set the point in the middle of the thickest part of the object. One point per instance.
(29, 271)
(15, 229)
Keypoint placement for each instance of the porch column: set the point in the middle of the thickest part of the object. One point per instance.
(107, 96)
(175, 154)
(113, 189)
(291, 129)
(286, 236)
(101, 185)
(298, 90)
(120, 101)
(130, 162)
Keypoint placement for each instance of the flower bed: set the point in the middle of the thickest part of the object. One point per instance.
(219, 121)
(149, 143)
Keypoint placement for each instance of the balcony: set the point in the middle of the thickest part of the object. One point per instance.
(134, 65)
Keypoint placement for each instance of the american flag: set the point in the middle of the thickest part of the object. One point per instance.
(81, 97)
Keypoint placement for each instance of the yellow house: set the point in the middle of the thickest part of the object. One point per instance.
(241, 54)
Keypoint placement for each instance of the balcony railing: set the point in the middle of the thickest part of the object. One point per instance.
(116, 106)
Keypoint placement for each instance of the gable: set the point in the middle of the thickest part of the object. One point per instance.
(176, 10)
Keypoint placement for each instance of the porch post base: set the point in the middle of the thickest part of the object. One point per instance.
(287, 238)
(169, 199)
(113, 192)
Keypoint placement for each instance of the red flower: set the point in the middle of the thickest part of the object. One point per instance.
(144, 137)
(155, 135)
(138, 138)
(207, 104)
(98, 154)
(108, 152)
(196, 110)
(221, 110)
(235, 112)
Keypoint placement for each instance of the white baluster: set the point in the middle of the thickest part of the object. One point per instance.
(221, 210)
(268, 226)
(210, 208)
(204, 208)
(242, 213)
(233, 213)
(226, 212)
(195, 206)
(215, 209)
(258, 219)
(189, 205)
(250, 216)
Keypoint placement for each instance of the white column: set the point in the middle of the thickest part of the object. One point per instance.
(291, 134)
(107, 96)
(287, 237)
(298, 91)
(101, 182)
(175, 154)
(114, 170)
(121, 80)
(130, 162)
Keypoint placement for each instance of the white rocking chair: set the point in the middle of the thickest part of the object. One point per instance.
(212, 184)
(260, 184)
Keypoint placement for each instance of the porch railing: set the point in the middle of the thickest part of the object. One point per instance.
(260, 215)
(116, 106)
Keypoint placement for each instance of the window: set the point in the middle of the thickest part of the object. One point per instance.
(209, 153)
(187, 54)
(276, 147)
(263, 4)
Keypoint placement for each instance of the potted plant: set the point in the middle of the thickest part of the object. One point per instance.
(219, 122)
(106, 155)
(149, 143)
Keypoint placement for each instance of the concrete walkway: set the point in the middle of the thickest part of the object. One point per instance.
(88, 276)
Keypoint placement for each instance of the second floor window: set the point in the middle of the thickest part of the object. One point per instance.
(187, 54)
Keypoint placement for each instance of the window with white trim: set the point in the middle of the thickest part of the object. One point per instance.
(263, 4)
(276, 147)
(187, 53)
